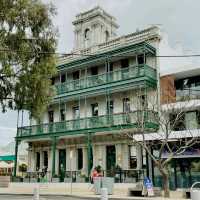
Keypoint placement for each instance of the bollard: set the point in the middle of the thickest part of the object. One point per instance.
(104, 194)
(36, 193)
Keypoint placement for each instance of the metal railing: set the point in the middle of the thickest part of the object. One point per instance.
(105, 78)
(104, 121)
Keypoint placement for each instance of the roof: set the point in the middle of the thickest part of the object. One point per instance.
(185, 72)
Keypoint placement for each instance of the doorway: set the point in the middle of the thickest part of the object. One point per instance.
(62, 164)
(110, 159)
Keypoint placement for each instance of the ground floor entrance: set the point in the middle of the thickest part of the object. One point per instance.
(183, 173)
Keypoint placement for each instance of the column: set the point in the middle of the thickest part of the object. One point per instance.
(16, 156)
(53, 155)
(41, 160)
(125, 156)
(139, 157)
(89, 153)
(119, 160)
(57, 161)
(85, 160)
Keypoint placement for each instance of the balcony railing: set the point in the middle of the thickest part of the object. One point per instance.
(105, 78)
(97, 123)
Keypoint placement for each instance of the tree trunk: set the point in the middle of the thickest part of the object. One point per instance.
(165, 183)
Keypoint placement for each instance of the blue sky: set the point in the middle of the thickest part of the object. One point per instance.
(178, 19)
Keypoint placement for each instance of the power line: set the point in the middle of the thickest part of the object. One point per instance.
(81, 54)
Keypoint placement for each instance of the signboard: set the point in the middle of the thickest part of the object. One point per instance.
(149, 186)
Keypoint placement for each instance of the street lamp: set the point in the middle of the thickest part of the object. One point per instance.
(71, 156)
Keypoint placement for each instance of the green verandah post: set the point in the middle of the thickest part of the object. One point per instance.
(16, 146)
(90, 162)
(54, 155)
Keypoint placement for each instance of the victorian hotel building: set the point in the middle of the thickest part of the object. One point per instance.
(101, 89)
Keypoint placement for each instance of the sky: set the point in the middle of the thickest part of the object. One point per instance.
(178, 20)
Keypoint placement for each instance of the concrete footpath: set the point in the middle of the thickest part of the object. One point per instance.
(92, 197)
(78, 191)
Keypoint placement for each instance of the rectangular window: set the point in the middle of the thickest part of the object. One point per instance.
(76, 112)
(132, 157)
(110, 107)
(76, 75)
(95, 109)
(124, 63)
(140, 59)
(80, 158)
(177, 121)
(126, 105)
(110, 68)
(143, 101)
(63, 78)
(51, 116)
(94, 71)
(62, 114)
(52, 80)
(45, 159)
(191, 120)
(198, 118)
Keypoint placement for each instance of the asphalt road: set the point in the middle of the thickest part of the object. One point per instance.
(21, 197)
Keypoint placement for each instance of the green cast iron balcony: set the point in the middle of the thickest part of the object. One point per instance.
(130, 74)
(93, 124)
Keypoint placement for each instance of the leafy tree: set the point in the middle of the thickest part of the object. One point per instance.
(23, 167)
(27, 59)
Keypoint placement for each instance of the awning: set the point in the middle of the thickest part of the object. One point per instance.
(7, 158)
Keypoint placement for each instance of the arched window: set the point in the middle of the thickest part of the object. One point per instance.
(87, 34)
(107, 36)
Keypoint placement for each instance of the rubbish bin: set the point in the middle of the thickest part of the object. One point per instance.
(195, 192)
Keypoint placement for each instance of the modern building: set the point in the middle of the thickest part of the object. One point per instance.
(101, 90)
(181, 90)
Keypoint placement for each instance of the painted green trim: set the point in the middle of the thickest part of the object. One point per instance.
(8, 158)
(100, 84)
(16, 155)
(83, 125)
(139, 47)
(53, 155)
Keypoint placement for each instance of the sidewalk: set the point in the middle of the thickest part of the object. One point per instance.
(80, 191)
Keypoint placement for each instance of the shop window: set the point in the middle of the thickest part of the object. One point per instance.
(126, 105)
(191, 120)
(95, 109)
(51, 116)
(177, 121)
(80, 158)
(132, 157)
(198, 118)
(45, 157)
